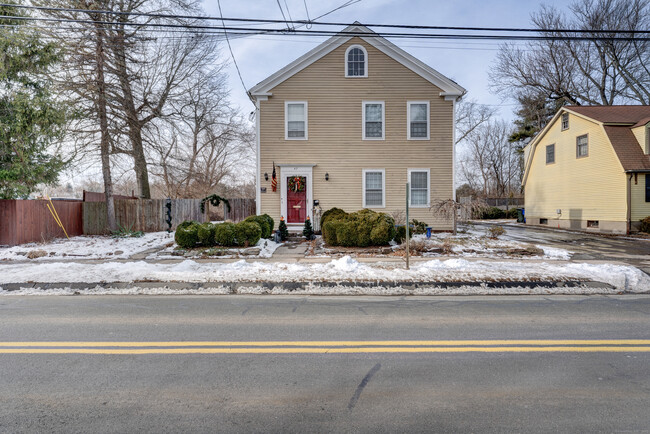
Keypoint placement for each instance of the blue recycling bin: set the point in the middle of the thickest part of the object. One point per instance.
(428, 233)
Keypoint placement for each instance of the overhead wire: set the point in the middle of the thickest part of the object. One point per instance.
(234, 60)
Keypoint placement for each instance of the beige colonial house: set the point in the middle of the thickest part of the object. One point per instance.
(347, 124)
(589, 169)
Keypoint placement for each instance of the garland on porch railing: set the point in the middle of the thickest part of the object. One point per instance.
(296, 184)
(214, 201)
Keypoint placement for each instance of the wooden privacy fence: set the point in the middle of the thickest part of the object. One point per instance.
(28, 221)
(239, 209)
(147, 215)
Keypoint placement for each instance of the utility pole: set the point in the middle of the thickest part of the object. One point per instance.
(408, 242)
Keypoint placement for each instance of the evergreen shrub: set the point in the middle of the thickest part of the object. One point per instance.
(186, 235)
(248, 233)
(225, 234)
(206, 233)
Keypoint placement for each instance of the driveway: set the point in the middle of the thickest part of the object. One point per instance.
(586, 246)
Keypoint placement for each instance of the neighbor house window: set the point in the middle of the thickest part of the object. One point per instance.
(565, 121)
(419, 182)
(582, 146)
(356, 58)
(550, 154)
(296, 120)
(374, 188)
(373, 120)
(418, 120)
(647, 187)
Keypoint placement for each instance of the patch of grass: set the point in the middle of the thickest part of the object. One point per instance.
(124, 232)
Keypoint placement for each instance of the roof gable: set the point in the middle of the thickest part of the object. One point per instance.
(448, 86)
(614, 114)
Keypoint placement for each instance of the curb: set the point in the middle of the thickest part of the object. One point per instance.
(573, 287)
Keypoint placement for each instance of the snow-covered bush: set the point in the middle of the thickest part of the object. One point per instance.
(186, 235)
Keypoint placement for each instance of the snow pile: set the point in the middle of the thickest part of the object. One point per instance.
(90, 247)
(344, 269)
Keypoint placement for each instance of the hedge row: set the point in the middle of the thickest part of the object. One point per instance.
(497, 213)
(359, 229)
(191, 234)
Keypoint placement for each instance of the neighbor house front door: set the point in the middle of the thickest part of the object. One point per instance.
(296, 199)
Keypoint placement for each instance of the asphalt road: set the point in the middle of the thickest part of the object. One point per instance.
(277, 382)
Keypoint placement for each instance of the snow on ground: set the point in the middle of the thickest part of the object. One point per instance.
(475, 243)
(89, 247)
(344, 269)
(267, 248)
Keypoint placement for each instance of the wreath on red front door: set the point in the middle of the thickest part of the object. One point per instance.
(296, 184)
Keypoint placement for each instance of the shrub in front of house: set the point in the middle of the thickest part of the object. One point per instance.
(418, 227)
(247, 233)
(186, 235)
(511, 213)
(400, 234)
(264, 224)
(332, 214)
(645, 225)
(270, 221)
(224, 234)
(359, 229)
(206, 233)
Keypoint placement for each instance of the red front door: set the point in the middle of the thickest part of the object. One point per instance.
(296, 199)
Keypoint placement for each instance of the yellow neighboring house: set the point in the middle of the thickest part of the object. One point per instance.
(589, 169)
(347, 124)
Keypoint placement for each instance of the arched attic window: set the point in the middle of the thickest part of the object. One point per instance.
(356, 61)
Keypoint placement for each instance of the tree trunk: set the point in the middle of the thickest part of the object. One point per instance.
(103, 126)
(133, 122)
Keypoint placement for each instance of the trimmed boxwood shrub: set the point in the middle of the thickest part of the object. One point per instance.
(332, 213)
(186, 235)
(224, 234)
(270, 221)
(383, 232)
(359, 229)
(264, 224)
(329, 229)
(248, 233)
(206, 233)
(346, 234)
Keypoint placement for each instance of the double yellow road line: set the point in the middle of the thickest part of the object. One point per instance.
(330, 347)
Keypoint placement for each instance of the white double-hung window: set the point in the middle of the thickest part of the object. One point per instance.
(295, 115)
(373, 120)
(419, 183)
(374, 188)
(418, 120)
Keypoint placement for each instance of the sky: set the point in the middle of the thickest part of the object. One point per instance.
(466, 62)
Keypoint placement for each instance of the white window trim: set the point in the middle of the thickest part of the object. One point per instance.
(562, 127)
(408, 120)
(428, 204)
(383, 188)
(365, 67)
(286, 120)
(363, 120)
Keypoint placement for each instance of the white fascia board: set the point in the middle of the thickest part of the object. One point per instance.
(449, 88)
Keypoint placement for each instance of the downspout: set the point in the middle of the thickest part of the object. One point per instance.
(629, 203)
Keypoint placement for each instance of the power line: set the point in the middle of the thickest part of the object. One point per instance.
(233, 54)
(339, 24)
(283, 16)
(248, 30)
(307, 12)
(288, 13)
